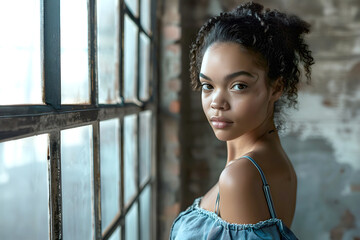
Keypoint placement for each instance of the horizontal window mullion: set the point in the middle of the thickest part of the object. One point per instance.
(34, 110)
(14, 127)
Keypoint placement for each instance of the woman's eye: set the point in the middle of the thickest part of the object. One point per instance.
(239, 86)
(206, 86)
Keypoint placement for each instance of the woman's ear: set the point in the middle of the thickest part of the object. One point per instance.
(277, 88)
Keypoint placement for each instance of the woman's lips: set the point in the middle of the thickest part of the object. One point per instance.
(217, 124)
(220, 122)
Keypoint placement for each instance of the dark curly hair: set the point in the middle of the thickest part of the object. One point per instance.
(275, 36)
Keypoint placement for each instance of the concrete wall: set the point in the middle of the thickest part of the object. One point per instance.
(322, 138)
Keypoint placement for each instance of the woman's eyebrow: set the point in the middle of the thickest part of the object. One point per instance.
(230, 76)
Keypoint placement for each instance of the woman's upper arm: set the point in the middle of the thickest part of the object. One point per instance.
(242, 199)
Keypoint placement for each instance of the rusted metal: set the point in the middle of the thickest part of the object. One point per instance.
(96, 180)
(55, 195)
(92, 22)
(19, 126)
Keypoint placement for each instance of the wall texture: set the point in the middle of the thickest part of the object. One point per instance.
(322, 138)
(169, 118)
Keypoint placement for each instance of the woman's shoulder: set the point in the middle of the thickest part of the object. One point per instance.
(274, 165)
(240, 184)
(241, 194)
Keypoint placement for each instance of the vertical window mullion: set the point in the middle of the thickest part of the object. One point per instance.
(121, 49)
(96, 180)
(55, 190)
(122, 178)
(138, 121)
(51, 52)
(138, 173)
(138, 54)
(92, 22)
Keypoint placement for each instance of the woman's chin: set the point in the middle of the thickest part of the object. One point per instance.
(223, 137)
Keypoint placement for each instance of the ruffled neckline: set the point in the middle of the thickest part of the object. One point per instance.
(236, 226)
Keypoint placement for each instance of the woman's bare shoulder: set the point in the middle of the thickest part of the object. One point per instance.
(241, 191)
(241, 194)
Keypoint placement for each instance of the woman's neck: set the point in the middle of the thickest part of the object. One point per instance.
(249, 141)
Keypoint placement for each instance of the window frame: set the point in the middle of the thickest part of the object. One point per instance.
(20, 121)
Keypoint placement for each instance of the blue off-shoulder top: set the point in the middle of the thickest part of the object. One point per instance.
(199, 224)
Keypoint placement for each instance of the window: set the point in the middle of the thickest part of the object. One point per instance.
(78, 119)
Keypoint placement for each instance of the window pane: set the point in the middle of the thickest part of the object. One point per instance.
(74, 52)
(76, 182)
(130, 59)
(110, 171)
(146, 14)
(133, 6)
(108, 50)
(144, 67)
(130, 136)
(145, 208)
(24, 189)
(116, 235)
(20, 52)
(145, 143)
(131, 223)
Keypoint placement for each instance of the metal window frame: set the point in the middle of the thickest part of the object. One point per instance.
(20, 121)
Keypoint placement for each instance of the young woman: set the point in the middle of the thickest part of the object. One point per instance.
(246, 63)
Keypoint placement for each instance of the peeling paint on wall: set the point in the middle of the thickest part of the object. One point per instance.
(315, 119)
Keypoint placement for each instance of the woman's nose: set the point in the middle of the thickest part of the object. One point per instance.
(219, 102)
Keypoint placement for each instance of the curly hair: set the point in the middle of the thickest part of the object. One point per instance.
(278, 39)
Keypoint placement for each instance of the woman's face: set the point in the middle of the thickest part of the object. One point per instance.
(235, 96)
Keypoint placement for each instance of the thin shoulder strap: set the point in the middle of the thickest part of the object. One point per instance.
(266, 188)
(217, 203)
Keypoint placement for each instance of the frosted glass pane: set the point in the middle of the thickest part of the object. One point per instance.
(76, 171)
(145, 143)
(131, 223)
(130, 156)
(145, 213)
(74, 52)
(130, 59)
(108, 50)
(116, 235)
(144, 62)
(24, 189)
(146, 14)
(133, 6)
(20, 52)
(110, 171)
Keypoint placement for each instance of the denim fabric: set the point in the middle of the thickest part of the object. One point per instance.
(199, 224)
